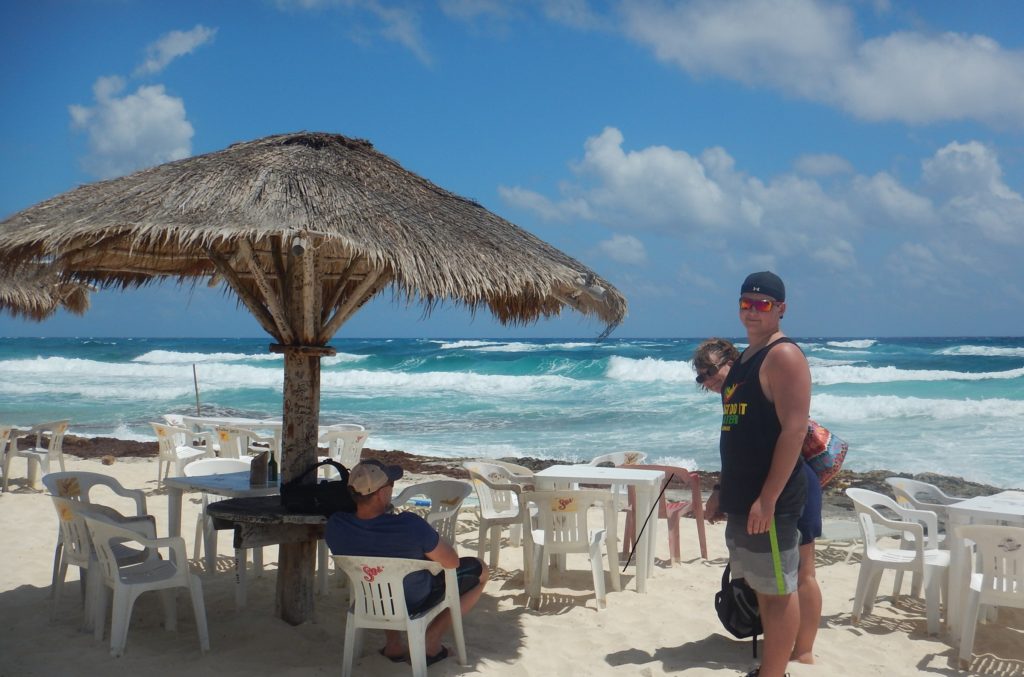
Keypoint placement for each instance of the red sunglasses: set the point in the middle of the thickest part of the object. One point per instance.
(760, 305)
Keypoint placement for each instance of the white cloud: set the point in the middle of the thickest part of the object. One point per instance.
(962, 202)
(172, 45)
(822, 165)
(133, 131)
(813, 50)
(574, 13)
(397, 24)
(971, 179)
(472, 9)
(624, 249)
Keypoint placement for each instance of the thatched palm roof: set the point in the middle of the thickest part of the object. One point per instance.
(38, 296)
(267, 214)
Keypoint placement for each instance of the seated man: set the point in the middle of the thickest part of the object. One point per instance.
(375, 531)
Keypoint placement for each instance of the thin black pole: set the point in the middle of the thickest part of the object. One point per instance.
(195, 382)
(657, 502)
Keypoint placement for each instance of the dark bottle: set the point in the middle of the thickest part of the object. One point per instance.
(272, 469)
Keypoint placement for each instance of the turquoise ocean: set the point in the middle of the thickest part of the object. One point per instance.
(947, 405)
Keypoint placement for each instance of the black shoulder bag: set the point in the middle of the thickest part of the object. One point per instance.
(324, 497)
(736, 604)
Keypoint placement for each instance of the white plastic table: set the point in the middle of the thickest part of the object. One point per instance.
(1006, 506)
(233, 484)
(646, 484)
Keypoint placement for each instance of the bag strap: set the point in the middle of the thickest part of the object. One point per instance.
(725, 575)
(342, 471)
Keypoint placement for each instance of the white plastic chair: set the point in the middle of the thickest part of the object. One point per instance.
(174, 446)
(500, 506)
(999, 579)
(562, 529)
(619, 458)
(924, 559)
(446, 497)
(40, 454)
(207, 535)
(128, 582)
(344, 444)
(378, 601)
(242, 443)
(520, 474)
(79, 486)
(920, 496)
(75, 546)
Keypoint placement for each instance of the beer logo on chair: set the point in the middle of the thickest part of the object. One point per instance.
(1009, 545)
(370, 573)
(564, 504)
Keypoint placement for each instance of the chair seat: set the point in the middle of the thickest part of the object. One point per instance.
(189, 452)
(151, 571)
(938, 558)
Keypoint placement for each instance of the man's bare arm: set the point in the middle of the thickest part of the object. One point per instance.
(444, 555)
(786, 381)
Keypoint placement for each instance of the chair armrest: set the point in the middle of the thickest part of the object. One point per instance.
(137, 495)
(516, 488)
(176, 544)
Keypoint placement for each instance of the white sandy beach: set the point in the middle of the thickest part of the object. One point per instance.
(672, 629)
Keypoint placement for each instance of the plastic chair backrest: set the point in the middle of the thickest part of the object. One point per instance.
(1000, 562)
(922, 496)
(74, 533)
(345, 445)
(56, 430)
(620, 458)
(378, 592)
(915, 522)
(78, 485)
(674, 477)
(562, 515)
(446, 497)
(518, 472)
(5, 438)
(169, 438)
(492, 501)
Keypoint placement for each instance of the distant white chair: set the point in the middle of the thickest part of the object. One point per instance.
(999, 579)
(79, 486)
(562, 529)
(174, 446)
(619, 458)
(234, 442)
(207, 535)
(446, 497)
(519, 474)
(40, 454)
(500, 506)
(128, 582)
(924, 559)
(344, 444)
(920, 495)
(378, 601)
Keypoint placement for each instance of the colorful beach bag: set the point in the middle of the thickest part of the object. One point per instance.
(823, 451)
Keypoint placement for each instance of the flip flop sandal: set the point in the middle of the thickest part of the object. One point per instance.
(439, 656)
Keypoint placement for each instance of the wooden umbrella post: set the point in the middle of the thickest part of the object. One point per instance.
(297, 561)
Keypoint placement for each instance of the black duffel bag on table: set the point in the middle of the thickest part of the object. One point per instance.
(324, 497)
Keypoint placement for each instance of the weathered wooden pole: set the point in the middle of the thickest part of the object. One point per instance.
(301, 417)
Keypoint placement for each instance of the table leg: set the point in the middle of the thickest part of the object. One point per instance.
(644, 546)
(955, 597)
(611, 521)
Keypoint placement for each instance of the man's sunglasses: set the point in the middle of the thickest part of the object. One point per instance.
(760, 305)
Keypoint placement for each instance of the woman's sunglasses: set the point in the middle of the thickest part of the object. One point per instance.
(760, 305)
(710, 372)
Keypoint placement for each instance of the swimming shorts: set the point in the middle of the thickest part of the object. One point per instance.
(468, 574)
(769, 564)
(809, 523)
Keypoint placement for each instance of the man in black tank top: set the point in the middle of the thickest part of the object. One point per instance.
(765, 404)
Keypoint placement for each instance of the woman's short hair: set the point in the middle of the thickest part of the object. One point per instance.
(703, 359)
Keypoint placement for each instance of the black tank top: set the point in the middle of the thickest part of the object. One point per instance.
(750, 429)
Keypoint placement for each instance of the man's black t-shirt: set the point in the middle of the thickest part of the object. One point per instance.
(750, 429)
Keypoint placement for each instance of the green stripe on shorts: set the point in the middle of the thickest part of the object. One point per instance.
(780, 580)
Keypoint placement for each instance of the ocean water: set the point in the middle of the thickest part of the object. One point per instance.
(946, 405)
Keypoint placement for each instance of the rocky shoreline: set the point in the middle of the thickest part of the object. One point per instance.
(835, 505)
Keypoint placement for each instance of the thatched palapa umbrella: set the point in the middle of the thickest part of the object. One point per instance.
(304, 228)
(38, 295)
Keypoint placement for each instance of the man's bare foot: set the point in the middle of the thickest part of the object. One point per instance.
(805, 658)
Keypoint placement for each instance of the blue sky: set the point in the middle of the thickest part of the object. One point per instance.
(870, 152)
